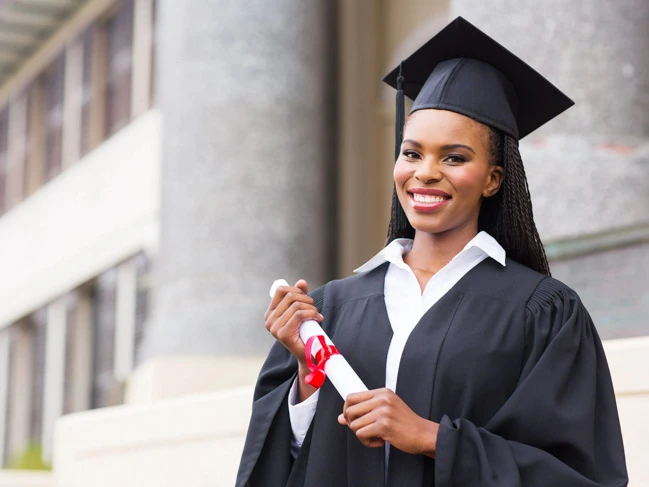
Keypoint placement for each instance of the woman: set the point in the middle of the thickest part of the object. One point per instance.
(482, 370)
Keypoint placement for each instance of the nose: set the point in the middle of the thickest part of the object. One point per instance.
(429, 171)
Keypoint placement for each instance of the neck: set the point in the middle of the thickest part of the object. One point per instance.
(432, 251)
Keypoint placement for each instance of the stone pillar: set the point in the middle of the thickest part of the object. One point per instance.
(588, 169)
(247, 95)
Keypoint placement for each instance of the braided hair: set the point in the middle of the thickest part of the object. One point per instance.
(506, 216)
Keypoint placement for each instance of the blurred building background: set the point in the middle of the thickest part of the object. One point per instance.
(162, 162)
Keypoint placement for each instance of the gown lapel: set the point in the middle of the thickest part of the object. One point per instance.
(366, 466)
(416, 377)
(416, 382)
(362, 334)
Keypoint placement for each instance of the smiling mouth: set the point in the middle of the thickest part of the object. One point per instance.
(427, 202)
(427, 199)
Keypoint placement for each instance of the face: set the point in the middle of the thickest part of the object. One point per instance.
(444, 171)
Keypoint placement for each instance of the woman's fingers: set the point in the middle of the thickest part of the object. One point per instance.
(359, 409)
(380, 415)
(369, 415)
(369, 435)
(302, 284)
(283, 297)
(288, 325)
(279, 319)
(368, 428)
(289, 308)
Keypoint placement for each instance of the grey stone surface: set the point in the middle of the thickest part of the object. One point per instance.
(588, 169)
(593, 50)
(586, 185)
(613, 287)
(247, 98)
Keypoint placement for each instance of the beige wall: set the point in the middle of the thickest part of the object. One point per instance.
(9, 478)
(169, 377)
(387, 32)
(629, 362)
(192, 441)
(197, 440)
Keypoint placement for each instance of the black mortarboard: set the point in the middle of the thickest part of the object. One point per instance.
(462, 69)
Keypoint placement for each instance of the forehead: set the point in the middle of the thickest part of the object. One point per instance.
(433, 125)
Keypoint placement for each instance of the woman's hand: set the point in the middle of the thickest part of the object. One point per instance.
(380, 415)
(289, 307)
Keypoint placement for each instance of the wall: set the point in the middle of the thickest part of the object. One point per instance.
(197, 440)
(629, 363)
(94, 214)
(13, 478)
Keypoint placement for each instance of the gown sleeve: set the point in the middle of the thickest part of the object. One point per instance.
(267, 449)
(560, 427)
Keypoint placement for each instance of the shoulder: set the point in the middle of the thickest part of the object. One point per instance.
(513, 282)
(555, 308)
(539, 289)
(352, 288)
(551, 292)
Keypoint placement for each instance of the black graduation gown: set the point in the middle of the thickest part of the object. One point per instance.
(508, 362)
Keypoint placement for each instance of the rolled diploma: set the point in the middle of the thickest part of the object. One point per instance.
(337, 369)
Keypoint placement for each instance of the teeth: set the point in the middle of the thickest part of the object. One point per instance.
(427, 198)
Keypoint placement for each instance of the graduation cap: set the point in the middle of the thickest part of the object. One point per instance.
(462, 69)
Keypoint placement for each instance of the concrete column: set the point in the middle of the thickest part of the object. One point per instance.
(588, 169)
(247, 94)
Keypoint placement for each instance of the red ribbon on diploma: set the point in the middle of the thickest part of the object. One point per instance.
(317, 376)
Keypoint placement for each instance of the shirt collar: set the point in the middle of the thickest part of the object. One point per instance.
(394, 251)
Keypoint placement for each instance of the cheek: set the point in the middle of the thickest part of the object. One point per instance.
(468, 180)
(401, 173)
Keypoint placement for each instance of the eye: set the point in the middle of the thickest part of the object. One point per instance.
(455, 159)
(410, 154)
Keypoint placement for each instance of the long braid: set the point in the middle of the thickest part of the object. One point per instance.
(507, 215)
(399, 226)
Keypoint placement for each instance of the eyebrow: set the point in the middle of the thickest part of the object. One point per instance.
(444, 147)
(456, 146)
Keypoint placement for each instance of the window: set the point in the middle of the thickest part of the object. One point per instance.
(10, 421)
(5, 356)
(114, 88)
(106, 391)
(4, 152)
(34, 149)
(15, 187)
(25, 387)
(154, 53)
(119, 42)
(93, 89)
(37, 323)
(54, 88)
(143, 296)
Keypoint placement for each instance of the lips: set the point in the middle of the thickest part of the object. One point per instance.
(426, 199)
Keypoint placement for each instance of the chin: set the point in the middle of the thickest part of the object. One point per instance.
(429, 227)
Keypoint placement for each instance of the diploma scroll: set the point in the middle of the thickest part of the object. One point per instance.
(340, 373)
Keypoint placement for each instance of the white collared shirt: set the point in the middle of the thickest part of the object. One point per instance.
(405, 304)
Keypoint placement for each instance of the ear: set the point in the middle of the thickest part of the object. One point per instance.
(494, 181)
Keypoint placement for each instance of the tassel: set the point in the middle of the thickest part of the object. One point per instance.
(400, 114)
(401, 224)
